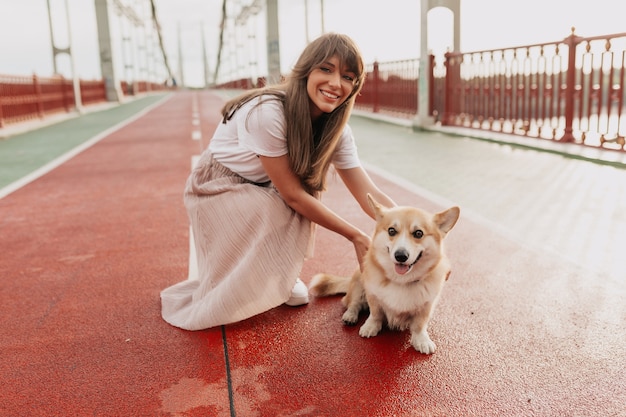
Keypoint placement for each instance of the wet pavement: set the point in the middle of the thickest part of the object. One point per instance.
(559, 203)
(531, 322)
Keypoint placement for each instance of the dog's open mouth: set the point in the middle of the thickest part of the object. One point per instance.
(402, 269)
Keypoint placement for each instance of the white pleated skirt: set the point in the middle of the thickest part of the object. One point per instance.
(250, 247)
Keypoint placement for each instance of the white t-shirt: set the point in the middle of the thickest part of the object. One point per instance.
(260, 130)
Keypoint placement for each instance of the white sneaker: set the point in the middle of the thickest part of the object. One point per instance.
(299, 294)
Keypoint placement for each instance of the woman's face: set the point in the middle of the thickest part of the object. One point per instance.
(328, 86)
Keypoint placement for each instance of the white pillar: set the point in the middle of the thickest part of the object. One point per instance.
(424, 118)
(78, 101)
(273, 43)
(181, 69)
(111, 83)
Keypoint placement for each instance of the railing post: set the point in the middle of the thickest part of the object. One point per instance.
(431, 84)
(1, 114)
(376, 77)
(570, 87)
(38, 95)
(64, 93)
(449, 86)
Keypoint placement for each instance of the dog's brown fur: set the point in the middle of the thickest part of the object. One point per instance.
(403, 274)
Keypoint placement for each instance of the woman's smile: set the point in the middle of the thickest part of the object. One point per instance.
(328, 86)
(329, 95)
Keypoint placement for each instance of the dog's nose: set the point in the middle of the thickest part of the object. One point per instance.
(401, 255)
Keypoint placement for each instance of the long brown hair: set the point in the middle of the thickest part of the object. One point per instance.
(310, 150)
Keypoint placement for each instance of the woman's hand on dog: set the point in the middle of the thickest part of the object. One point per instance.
(361, 244)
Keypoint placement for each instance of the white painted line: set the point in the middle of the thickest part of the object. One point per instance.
(196, 135)
(195, 122)
(16, 185)
(193, 259)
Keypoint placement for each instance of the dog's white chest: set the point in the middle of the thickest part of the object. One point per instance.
(402, 298)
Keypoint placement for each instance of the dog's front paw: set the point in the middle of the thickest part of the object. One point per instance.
(370, 328)
(350, 317)
(422, 343)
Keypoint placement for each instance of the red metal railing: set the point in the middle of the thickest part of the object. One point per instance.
(24, 98)
(569, 91)
(390, 87)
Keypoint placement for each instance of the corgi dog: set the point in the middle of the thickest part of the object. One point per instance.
(403, 274)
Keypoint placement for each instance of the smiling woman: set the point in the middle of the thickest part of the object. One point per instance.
(254, 195)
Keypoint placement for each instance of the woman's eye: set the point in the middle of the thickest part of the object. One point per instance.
(392, 231)
(324, 69)
(348, 78)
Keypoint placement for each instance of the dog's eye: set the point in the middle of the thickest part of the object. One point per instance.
(418, 234)
(392, 231)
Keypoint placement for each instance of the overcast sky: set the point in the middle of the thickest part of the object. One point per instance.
(385, 30)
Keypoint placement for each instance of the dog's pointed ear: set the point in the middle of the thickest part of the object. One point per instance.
(447, 219)
(375, 205)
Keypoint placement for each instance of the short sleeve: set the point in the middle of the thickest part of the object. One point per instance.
(346, 155)
(262, 130)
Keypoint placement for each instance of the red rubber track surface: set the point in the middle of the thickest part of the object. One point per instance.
(87, 248)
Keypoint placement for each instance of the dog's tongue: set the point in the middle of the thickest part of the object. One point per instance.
(402, 269)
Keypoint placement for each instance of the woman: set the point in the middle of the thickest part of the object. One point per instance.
(254, 194)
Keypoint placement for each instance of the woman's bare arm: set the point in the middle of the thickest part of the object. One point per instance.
(291, 190)
(360, 184)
